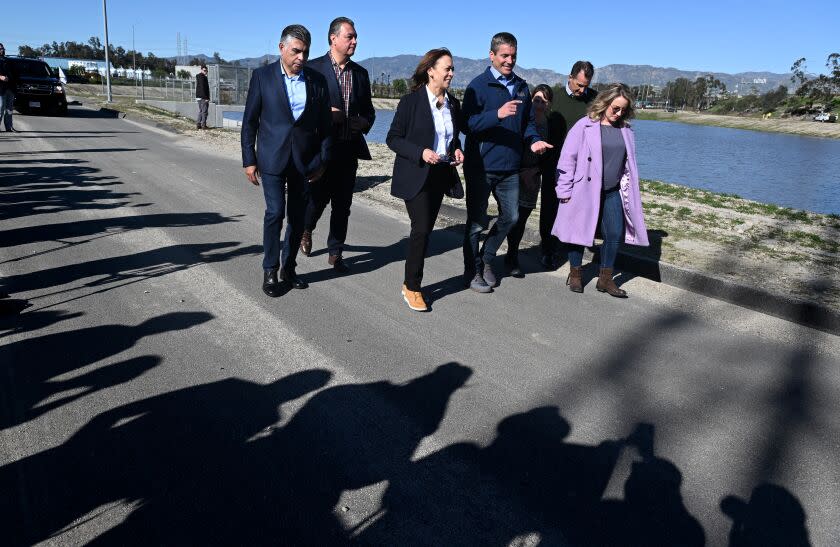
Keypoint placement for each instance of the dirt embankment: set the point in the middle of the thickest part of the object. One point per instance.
(793, 126)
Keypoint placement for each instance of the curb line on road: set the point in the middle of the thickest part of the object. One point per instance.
(778, 305)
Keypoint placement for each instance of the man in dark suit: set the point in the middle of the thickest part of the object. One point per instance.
(352, 115)
(202, 94)
(288, 113)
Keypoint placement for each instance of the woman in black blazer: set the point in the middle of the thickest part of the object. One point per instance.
(424, 135)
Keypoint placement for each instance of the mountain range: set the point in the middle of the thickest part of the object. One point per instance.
(402, 66)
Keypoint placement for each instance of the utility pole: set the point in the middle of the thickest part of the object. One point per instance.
(107, 54)
(133, 54)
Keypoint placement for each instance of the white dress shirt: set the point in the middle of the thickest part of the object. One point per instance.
(443, 122)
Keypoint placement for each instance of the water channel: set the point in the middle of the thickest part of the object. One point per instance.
(788, 170)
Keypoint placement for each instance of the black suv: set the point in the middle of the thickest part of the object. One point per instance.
(36, 87)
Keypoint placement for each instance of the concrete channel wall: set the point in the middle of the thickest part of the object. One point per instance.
(215, 113)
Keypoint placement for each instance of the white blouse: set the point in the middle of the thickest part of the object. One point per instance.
(443, 122)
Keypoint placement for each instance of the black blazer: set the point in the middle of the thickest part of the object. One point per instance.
(361, 103)
(412, 131)
(268, 121)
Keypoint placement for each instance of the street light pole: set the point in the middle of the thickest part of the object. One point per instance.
(107, 56)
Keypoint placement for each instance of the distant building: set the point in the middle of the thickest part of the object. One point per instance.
(98, 66)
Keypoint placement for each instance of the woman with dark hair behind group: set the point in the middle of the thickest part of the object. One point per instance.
(424, 135)
(533, 171)
(598, 181)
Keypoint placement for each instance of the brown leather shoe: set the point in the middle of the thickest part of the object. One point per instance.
(306, 243)
(338, 264)
(606, 284)
(575, 281)
(414, 299)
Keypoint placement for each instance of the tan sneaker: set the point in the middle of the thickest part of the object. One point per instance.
(414, 299)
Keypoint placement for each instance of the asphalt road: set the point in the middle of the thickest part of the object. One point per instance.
(150, 393)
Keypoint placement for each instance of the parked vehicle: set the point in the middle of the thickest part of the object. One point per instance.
(37, 89)
(670, 109)
(825, 117)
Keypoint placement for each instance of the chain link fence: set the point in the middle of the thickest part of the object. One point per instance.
(228, 86)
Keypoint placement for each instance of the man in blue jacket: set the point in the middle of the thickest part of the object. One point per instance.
(286, 140)
(500, 122)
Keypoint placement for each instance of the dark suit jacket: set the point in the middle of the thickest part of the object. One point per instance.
(202, 87)
(268, 123)
(412, 131)
(360, 99)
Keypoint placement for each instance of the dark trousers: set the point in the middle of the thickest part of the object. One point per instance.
(423, 211)
(514, 237)
(7, 105)
(549, 244)
(285, 196)
(612, 228)
(336, 188)
(203, 106)
(505, 188)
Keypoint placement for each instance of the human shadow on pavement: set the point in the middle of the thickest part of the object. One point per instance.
(103, 135)
(529, 482)
(138, 266)
(11, 307)
(209, 464)
(373, 258)
(74, 151)
(772, 517)
(30, 190)
(90, 113)
(107, 132)
(113, 225)
(32, 369)
(31, 321)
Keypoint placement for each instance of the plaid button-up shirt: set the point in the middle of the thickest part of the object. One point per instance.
(345, 84)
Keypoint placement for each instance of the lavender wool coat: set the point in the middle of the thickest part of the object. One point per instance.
(579, 174)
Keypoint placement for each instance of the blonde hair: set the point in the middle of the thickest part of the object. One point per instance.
(602, 102)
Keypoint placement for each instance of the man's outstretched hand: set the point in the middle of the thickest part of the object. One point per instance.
(540, 147)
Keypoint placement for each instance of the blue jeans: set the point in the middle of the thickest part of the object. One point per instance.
(277, 206)
(7, 104)
(505, 188)
(612, 229)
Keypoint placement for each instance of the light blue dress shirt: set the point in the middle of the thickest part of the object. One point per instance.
(296, 90)
(507, 82)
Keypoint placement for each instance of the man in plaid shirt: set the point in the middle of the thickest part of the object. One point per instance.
(353, 116)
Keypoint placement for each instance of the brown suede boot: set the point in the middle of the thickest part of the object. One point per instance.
(306, 243)
(575, 281)
(607, 284)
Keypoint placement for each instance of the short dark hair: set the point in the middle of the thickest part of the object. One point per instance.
(335, 26)
(203, 67)
(296, 32)
(585, 66)
(502, 38)
(430, 59)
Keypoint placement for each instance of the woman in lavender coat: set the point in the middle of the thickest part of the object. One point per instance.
(598, 181)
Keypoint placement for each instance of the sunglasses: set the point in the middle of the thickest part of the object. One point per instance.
(617, 109)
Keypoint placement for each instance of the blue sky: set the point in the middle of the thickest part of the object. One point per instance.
(729, 36)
